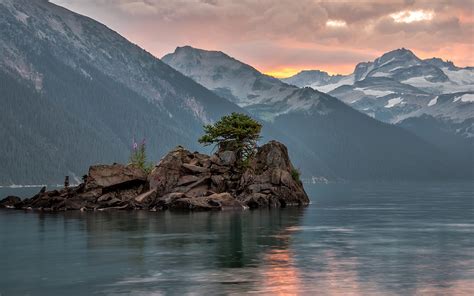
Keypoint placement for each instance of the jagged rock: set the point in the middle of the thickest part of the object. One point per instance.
(164, 201)
(218, 182)
(10, 202)
(269, 182)
(227, 158)
(164, 177)
(146, 197)
(194, 168)
(199, 191)
(219, 169)
(181, 180)
(188, 179)
(106, 197)
(74, 204)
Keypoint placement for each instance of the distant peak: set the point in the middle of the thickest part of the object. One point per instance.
(440, 62)
(312, 72)
(185, 48)
(188, 48)
(401, 52)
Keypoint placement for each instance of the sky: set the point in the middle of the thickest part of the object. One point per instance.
(282, 37)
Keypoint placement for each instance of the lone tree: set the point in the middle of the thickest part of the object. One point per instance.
(237, 132)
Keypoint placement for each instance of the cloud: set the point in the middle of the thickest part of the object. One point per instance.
(329, 34)
(336, 23)
(410, 16)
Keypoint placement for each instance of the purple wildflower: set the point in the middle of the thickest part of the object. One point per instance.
(134, 144)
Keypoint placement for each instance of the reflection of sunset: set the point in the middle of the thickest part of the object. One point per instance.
(281, 277)
(459, 287)
(338, 275)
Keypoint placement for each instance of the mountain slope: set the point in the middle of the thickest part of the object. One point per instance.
(349, 144)
(73, 92)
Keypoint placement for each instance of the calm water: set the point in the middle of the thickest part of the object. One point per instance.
(353, 240)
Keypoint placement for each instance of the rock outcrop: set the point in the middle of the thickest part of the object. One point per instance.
(182, 181)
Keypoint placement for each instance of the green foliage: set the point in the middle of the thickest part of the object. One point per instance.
(295, 174)
(138, 157)
(237, 132)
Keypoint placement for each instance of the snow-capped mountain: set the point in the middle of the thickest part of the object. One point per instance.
(335, 137)
(244, 85)
(74, 92)
(431, 75)
(399, 85)
(314, 78)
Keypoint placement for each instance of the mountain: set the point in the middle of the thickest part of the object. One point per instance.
(312, 77)
(73, 92)
(402, 89)
(431, 75)
(395, 85)
(342, 142)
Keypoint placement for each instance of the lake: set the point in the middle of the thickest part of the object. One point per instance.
(354, 239)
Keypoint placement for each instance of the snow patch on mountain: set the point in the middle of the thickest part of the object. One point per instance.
(374, 92)
(348, 80)
(381, 74)
(467, 98)
(433, 101)
(393, 102)
(460, 76)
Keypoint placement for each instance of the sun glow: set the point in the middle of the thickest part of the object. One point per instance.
(336, 23)
(410, 16)
(283, 72)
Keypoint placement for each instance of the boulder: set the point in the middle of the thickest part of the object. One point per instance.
(165, 176)
(217, 201)
(74, 204)
(225, 201)
(10, 202)
(199, 191)
(114, 175)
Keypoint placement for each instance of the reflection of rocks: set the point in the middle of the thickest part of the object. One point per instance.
(225, 248)
(182, 180)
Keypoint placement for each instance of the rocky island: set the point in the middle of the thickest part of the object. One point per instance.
(238, 176)
(181, 180)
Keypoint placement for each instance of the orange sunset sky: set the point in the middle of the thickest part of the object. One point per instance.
(282, 37)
